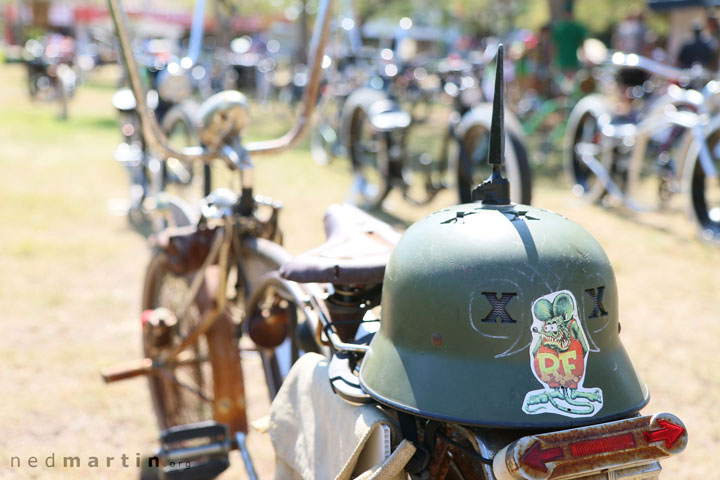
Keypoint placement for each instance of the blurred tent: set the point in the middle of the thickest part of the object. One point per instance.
(90, 22)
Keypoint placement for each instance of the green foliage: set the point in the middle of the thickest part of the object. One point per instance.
(534, 15)
(477, 17)
(487, 17)
(601, 16)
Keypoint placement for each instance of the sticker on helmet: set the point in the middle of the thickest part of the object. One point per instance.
(558, 357)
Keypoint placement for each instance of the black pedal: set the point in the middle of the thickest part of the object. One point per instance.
(197, 451)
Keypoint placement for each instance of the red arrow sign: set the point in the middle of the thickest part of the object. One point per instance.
(536, 457)
(669, 432)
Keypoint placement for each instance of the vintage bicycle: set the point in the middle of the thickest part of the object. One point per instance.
(644, 156)
(336, 289)
(380, 125)
(203, 269)
(51, 70)
(174, 80)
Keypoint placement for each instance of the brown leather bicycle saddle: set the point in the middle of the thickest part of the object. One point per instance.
(356, 250)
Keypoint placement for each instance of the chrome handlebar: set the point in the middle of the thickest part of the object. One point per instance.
(157, 139)
(310, 93)
(620, 59)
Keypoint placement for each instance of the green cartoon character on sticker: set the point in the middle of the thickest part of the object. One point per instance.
(559, 354)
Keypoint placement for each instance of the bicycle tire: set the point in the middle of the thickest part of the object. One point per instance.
(582, 126)
(175, 404)
(354, 130)
(169, 403)
(370, 173)
(704, 197)
(516, 166)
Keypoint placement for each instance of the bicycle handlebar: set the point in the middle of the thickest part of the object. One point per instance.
(310, 92)
(620, 59)
(156, 137)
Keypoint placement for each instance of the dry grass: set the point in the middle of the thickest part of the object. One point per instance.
(70, 279)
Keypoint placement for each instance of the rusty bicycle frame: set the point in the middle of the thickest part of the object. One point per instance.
(229, 397)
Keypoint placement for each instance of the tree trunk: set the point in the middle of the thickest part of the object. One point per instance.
(304, 41)
(558, 8)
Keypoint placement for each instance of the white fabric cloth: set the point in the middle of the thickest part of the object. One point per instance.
(317, 435)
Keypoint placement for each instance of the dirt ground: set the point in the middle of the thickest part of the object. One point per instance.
(71, 275)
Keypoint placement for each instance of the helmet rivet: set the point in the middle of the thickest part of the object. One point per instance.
(437, 339)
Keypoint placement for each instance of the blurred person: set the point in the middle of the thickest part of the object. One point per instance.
(567, 36)
(521, 53)
(713, 27)
(631, 35)
(57, 47)
(543, 58)
(697, 50)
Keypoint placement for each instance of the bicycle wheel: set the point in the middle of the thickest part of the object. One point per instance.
(473, 169)
(369, 156)
(705, 191)
(185, 393)
(366, 148)
(583, 135)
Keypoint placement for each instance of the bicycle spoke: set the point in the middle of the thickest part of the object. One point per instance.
(165, 373)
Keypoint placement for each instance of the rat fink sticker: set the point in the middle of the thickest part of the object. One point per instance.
(558, 357)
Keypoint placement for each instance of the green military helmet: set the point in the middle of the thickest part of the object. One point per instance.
(501, 316)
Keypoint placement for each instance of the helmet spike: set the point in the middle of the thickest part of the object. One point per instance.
(497, 126)
(496, 189)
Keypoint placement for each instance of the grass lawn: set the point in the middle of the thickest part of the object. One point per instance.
(71, 276)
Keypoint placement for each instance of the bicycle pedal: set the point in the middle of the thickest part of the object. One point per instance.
(196, 451)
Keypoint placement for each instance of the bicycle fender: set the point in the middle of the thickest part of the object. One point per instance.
(482, 114)
(363, 99)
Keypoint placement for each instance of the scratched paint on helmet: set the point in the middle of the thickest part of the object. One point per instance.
(558, 358)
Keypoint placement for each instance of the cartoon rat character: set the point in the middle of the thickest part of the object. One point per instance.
(558, 356)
